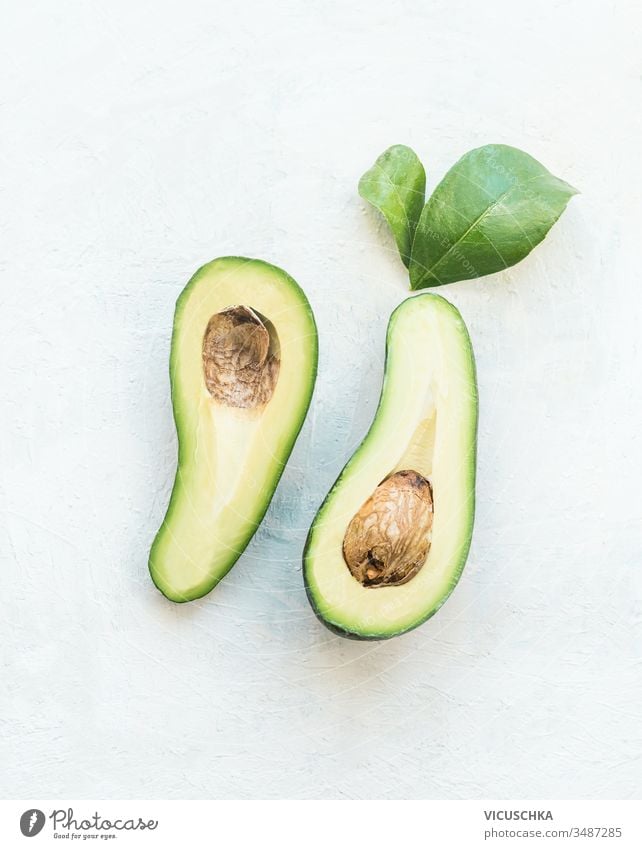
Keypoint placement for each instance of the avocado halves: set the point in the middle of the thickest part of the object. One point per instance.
(390, 541)
(242, 368)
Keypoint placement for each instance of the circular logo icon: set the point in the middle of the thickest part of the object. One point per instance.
(31, 822)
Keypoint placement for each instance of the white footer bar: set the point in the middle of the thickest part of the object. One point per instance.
(328, 824)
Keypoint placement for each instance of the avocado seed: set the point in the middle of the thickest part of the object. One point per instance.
(387, 540)
(239, 366)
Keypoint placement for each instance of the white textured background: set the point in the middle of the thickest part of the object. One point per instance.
(142, 139)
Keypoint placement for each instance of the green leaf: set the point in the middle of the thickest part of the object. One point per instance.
(396, 186)
(488, 213)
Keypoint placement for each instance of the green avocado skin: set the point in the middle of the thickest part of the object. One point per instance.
(377, 638)
(374, 637)
(340, 629)
(230, 262)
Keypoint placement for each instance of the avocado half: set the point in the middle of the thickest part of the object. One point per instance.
(243, 364)
(390, 541)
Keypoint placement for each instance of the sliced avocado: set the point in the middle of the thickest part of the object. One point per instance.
(242, 369)
(391, 539)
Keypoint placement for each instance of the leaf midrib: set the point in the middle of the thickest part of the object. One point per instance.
(500, 199)
(396, 187)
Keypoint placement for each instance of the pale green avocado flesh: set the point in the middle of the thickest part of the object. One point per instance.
(230, 458)
(426, 422)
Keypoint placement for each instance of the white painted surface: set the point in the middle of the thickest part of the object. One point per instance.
(142, 139)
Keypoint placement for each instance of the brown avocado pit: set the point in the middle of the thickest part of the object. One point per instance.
(240, 358)
(388, 539)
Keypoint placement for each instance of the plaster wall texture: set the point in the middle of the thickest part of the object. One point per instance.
(143, 139)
